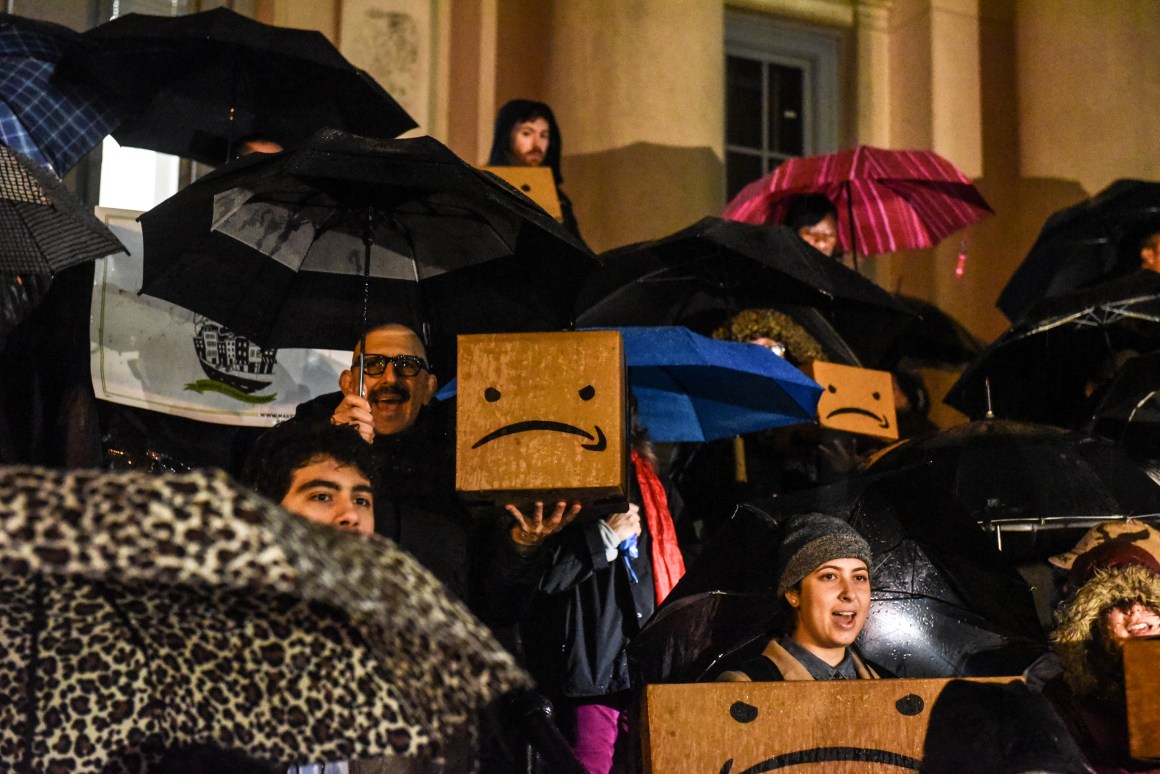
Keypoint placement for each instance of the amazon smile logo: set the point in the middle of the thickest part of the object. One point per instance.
(882, 421)
(597, 442)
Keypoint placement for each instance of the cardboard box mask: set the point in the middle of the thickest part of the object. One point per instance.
(857, 400)
(542, 416)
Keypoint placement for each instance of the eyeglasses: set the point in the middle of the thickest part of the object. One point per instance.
(405, 365)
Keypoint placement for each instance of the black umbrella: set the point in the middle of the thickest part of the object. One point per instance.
(702, 274)
(935, 338)
(46, 117)
(44, 228)
(1044, 367)
(1084, 244)
(945, 602)
(1127, 407)
(142, 612)
(1011, 476)
(300, 249)
(194, 85)
(1133, 393)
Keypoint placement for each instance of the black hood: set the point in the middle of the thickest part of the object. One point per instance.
(516, 112)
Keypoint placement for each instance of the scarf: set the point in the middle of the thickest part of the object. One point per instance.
(667, 563)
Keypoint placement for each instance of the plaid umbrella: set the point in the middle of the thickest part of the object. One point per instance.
(43, 227)
(141, 612)
(44, 116)
(888, 200)
(194, 85)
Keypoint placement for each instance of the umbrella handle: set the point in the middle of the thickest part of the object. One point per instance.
(365, 297)
(740, 471)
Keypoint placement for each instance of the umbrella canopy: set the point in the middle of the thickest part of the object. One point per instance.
(935, 338)
(194, 85)
(702, 274)
(1133, 393)
(44, 116)
(944, 603)
(287, 249)
(887, 200)
(1001, 471)
(1084, 244)
(1044, 367)
(144, 612)
(44, 228)
(692, 388)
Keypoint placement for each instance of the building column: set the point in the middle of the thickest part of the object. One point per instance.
(613, 74)
(873, 72)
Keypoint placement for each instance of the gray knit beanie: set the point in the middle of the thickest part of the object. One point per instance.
(812, 539)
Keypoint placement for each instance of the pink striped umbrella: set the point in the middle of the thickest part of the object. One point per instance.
(894, 200)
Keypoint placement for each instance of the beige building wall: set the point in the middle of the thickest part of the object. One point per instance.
(1041, 102)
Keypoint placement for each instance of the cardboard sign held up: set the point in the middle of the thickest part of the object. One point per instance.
(857, 400)
(542, 416)
(830, 726)
(536, 183)
(1142, 696)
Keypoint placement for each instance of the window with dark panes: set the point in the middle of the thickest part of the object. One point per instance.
(780, 95)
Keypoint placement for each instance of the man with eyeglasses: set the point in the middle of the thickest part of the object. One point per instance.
(397, 384)
(415, 503)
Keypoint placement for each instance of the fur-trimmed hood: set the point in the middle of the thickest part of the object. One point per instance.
(1085, 668)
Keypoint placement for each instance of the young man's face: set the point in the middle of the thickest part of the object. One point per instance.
(529, 143)
(329, 493)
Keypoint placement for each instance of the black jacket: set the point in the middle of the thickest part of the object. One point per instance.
(587, 609)
(416, 506)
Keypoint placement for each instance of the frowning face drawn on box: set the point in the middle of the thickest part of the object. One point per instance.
(539, 410)
(856, 400)
(597, 442)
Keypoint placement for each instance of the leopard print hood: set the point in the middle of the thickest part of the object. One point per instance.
(1073, 638)
(157, 610)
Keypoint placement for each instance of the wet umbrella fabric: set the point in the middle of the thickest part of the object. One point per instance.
(887, 200)
(46, 117)
(944, 603)
(1128, 409)
(44, 228)
(1002, 469)
(142, 612)
(1041, 368)
(1084, 244)
(935, 338)
(692, 388)
(702, 274)
(1133, 393)
(276, 248)
(195, 85)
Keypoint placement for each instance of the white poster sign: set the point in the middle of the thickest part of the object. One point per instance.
(151, 354)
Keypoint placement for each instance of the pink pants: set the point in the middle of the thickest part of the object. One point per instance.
(597, 731)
